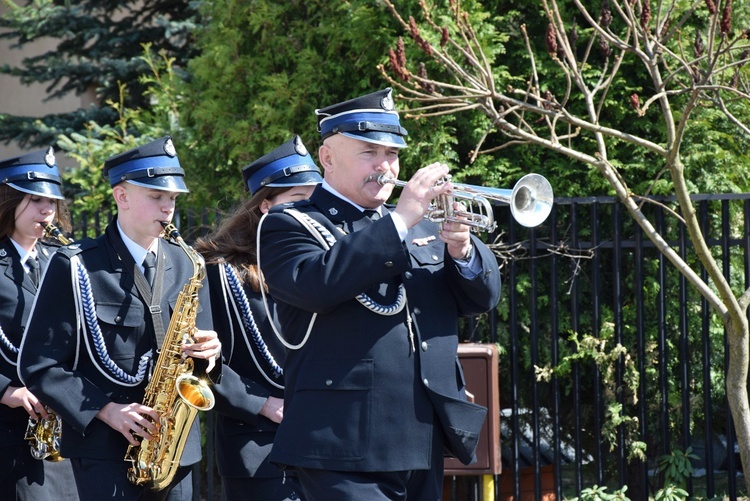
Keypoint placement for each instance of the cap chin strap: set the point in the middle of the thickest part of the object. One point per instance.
(32, 176)
(366, 126)
(153, 172)
(288, 171)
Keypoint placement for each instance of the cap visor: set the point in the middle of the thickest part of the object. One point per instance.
(42, 188)
(298, 179)
(164, 183)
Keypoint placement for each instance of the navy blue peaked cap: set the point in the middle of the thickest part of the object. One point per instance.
(153, 165)
(288, 165)
(371, 118)
(35, 173)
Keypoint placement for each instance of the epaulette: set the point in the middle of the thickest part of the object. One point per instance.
(298, 204)
(78, 246)
(51, 243)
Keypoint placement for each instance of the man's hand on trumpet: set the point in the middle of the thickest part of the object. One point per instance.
(457, 237)
(421, 189)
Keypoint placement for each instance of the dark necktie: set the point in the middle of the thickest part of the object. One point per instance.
(149, 267)
(33, 265)
(372, 214)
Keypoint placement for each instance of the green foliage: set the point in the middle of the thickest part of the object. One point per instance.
(590, 349)
(677, 467)
(86, 186)
(264, 68)
(597, 493)
(671, 493)
(98, 44)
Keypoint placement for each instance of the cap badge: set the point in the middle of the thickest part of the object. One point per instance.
(169, 148)
(49, 157)
(332, 211)
(387, 101)
(299, 147)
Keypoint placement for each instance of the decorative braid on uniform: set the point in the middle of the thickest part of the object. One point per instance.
(364, 299)
(248, 320)
(6, 342)
(96, 333)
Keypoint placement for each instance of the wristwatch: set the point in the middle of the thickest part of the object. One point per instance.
(467, 258)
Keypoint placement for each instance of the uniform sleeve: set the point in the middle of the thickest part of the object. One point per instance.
(479, 293)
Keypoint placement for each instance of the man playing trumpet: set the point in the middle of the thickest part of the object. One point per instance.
(368, 297)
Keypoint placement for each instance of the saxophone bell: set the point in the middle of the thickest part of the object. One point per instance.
(44, 435)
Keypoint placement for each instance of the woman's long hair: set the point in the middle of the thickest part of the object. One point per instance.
(234, 241)
(11, 198)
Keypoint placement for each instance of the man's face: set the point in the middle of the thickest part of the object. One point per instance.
(141, 210)
(353, 167)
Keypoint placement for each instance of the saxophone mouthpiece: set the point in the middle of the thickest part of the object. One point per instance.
(170, 230)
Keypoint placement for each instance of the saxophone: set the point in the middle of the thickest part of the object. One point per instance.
(44, 434)
(173, 391)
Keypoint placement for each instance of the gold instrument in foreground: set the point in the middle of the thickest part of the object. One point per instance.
(173, 392)
(530, 202)
(44, 434)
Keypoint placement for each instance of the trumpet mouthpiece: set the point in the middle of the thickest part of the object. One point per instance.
(384, 179)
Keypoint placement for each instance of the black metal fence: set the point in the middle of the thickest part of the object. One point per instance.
(610, 361)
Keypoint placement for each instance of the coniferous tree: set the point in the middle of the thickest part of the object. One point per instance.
(99, 44)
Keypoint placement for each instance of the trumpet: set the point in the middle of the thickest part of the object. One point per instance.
(44, 434)
(530, 202)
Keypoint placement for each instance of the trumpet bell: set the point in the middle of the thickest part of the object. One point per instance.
(531, 200)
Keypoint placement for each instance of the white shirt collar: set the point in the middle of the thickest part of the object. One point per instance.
(136, 250)
(326, 186)
(23, 253)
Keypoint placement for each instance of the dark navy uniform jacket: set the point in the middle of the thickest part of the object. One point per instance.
(17, 293)
(63, 367)
(244, 437)
(360, 396)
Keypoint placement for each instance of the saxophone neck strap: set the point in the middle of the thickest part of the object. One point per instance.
(152, 297)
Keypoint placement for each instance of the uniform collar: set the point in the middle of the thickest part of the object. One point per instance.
(330, 189)
(24, 255)
(136, 250)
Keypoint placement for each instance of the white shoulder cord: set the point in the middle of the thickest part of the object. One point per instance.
(74, 263)
(265, 302)
(320, 233)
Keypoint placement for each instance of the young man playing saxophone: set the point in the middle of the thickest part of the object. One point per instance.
(94, 335)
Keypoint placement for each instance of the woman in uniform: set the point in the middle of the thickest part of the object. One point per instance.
(30, 199)
(249, 399)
